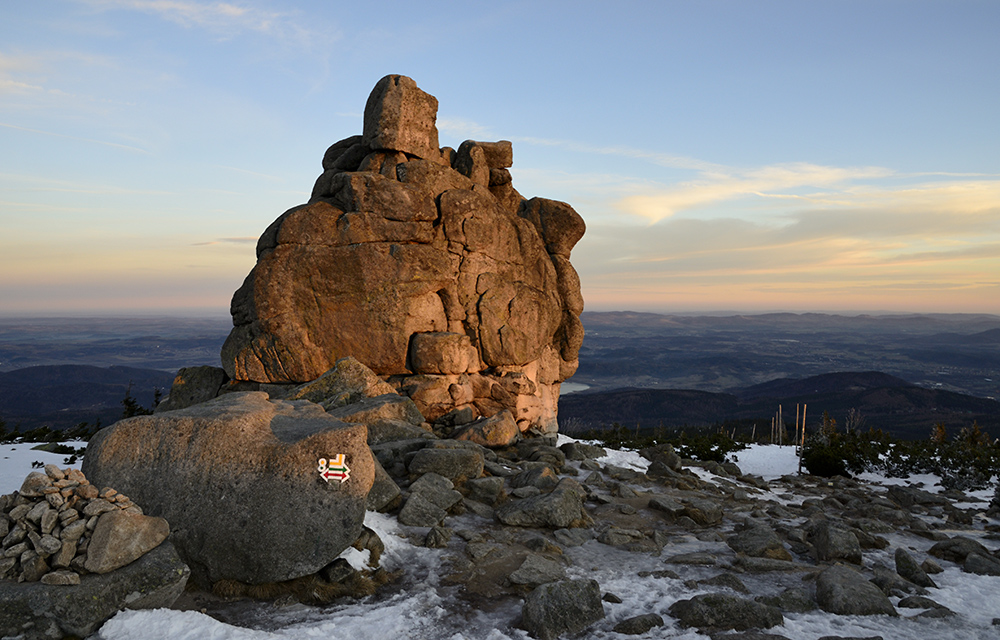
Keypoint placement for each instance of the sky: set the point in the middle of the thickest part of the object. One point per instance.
(832, 155)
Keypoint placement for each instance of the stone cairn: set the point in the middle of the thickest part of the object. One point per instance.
(426, 265)
(58, 527)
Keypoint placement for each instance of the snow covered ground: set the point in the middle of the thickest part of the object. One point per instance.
(422, 606)
(16, 459)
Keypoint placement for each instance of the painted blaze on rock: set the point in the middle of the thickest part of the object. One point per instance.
(237, 479)
(423, 263)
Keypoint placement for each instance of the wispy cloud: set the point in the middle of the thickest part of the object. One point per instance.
(239, 240)
(658, 158)
(802, 182)
(224, 19)
(255, 174)
(78, 138)
(463, 128)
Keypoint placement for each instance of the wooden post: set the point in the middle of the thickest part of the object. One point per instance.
(781, 425)
(802, 446)
(795, 441)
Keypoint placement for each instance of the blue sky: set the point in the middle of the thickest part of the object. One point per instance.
(827, 155)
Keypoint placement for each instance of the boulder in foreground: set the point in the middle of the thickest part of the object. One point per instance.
(238, 478)
(846, 592)
(558, 608)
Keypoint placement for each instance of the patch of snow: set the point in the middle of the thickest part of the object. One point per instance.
(627, 459)
(16, 459)
(926, 481)
(176, 625)
(618, 458)
(770, 461)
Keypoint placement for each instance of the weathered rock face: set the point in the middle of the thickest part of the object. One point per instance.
(238, 479)
(423, 263)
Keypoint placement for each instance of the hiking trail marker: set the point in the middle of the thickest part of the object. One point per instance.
(334, 469)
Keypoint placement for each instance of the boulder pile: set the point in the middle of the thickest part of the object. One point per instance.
(426, 265)
(59, 526)
(74, 555)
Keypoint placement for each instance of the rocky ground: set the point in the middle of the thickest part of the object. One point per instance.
(567, 541)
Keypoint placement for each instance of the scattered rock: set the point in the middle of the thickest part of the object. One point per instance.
(541, 477)
(573, 537)
(565, 607)
(892, 584)
(790, 600)
(431, 496)
(385, 493)
(921, 602)
(388, 407)
(437, 537)
(666, 505)
(957, 549)
(729, 581)
(984, 565)
(704, 512)
(908, 568)
(931, 567)
(346, 382)
(489, 491)
(833, 542)
(562, 508)
(697, 557)
(722, 611)
(760, 541)
(638, 625)
(582, 451)
(537, 570)
(458, 465)
(843, 591)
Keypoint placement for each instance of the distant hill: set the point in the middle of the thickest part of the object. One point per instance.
(884, 402)
(62, 396)
(829, 383)
(623, 349)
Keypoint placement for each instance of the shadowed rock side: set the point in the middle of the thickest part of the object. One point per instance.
(426, 265)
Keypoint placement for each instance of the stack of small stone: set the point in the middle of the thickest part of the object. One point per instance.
(47, 526)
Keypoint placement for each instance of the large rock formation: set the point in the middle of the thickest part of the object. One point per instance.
(239, 479)
(426, 265)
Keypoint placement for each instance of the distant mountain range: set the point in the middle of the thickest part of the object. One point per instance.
(950, 352)
(640, 367)
(62, 396)
(884, 402)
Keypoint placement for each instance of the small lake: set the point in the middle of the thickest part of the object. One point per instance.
(572, 387)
